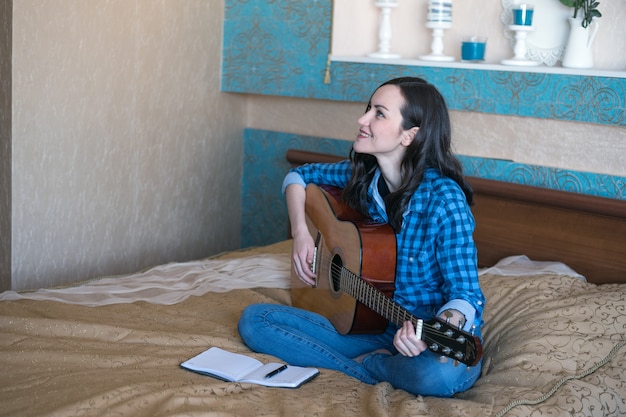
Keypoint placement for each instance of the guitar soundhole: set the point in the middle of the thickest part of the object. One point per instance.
(336, 266)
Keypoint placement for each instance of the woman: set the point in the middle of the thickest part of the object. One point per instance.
(402, 172)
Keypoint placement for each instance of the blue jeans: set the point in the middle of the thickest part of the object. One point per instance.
(303, 338)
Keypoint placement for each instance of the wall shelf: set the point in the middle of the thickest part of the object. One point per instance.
(486, 66)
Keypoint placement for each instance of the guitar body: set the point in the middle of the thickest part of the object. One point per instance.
(347, 239)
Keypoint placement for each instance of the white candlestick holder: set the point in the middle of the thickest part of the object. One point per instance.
(385, 32)
(437, 44)
(520, 49)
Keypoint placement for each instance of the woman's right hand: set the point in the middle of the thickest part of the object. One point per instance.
(302, 257)
(303, 244)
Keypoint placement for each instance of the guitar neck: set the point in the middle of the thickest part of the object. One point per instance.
(373, 298)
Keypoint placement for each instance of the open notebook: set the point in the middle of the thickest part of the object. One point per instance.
(235, 367)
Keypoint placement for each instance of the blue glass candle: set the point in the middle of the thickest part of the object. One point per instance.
(473, 48)
(523, 15)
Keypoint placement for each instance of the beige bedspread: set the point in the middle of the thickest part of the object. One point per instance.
(59, 359)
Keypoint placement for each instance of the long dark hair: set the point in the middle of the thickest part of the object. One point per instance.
(424, 107)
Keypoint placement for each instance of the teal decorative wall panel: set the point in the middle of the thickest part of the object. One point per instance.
(264, 213)
(275, 47)
(600, 185)
(278, 47)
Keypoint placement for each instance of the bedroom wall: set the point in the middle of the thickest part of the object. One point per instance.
(552, 143)
(6, 8)
(124, 152)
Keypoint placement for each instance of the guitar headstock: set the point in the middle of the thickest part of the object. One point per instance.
(447, 340)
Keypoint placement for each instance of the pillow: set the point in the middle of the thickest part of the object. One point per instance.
(521, 265)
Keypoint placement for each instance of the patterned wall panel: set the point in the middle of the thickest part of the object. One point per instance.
(264, 213)
(278, 47)
(600, 185)
(275, 47)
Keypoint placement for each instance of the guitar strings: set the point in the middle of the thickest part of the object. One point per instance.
(398, 312)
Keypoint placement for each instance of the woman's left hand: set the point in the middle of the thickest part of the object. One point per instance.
(407, 342)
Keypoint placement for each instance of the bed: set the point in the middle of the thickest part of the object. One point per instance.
(553, 271)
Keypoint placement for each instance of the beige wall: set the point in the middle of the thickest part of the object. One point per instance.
(569, 145)
(411, 38)
(6, 10)
(125, 153)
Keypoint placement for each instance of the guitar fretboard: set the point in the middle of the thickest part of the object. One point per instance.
(353, 285)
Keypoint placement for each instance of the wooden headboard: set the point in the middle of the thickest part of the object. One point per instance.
(587, 233)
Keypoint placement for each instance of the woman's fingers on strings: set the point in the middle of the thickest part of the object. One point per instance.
(303, 269)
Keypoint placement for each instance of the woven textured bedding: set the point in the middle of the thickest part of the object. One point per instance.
(543, 332)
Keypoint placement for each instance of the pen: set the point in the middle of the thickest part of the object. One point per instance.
(276, 371)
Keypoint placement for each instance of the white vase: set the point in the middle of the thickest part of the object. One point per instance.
(579, 52)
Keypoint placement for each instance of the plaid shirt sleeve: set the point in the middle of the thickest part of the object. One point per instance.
(336, 174)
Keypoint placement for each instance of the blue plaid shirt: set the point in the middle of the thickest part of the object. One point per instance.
(436, 265)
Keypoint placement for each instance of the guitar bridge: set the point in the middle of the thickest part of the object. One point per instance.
(318, 239)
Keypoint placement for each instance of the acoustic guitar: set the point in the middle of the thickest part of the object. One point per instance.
(355, 262)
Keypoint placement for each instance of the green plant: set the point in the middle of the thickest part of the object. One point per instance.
(589, 9)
